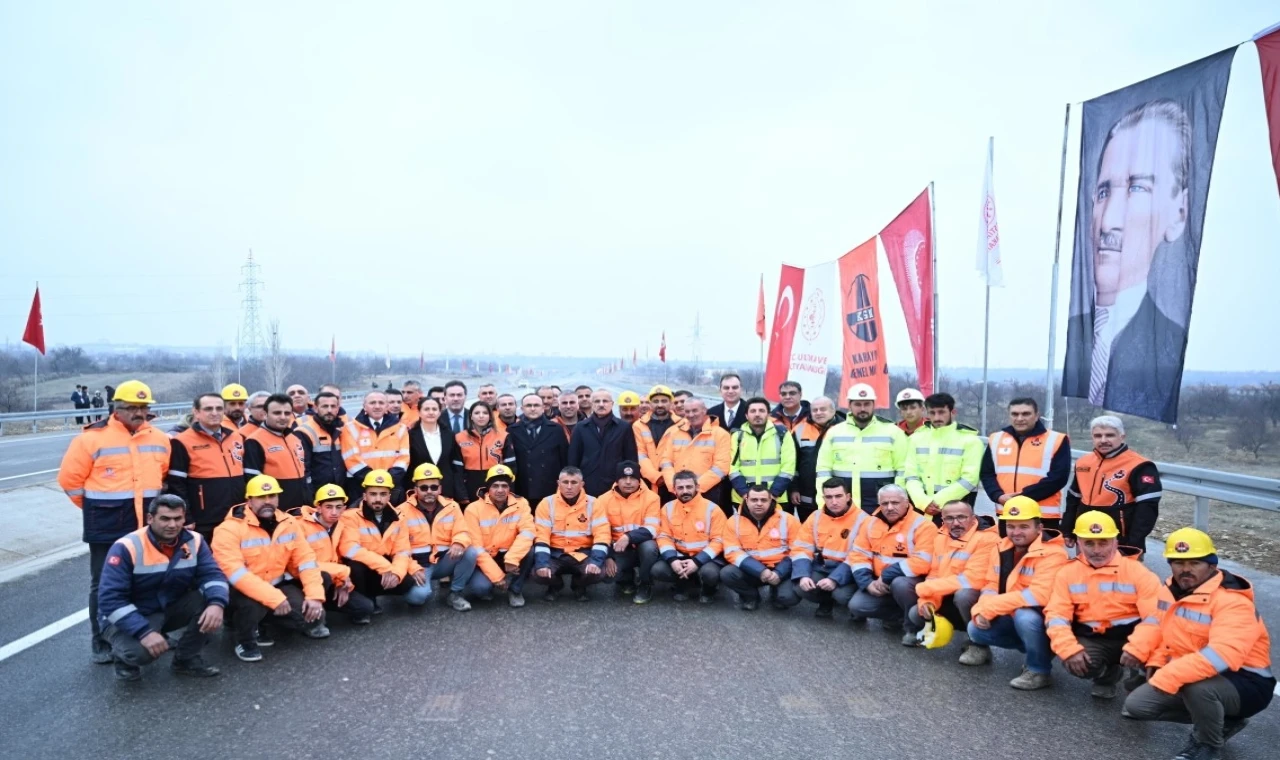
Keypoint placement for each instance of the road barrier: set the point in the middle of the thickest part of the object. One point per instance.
(175, 409)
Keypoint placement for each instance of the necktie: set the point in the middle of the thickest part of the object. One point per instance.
(457, 423)
(1101, 357)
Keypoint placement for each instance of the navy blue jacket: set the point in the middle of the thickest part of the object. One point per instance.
(139, 580)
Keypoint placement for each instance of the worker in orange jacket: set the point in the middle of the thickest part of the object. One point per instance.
(571, 538)
(649, 430)
(826, 540)
(1010, 611)
(892, 554)
(1102, 613)
(698, 444)
(275, 449)
(501, 525)
(322, 526)
(690, 540)
(438, 535)
(271, 568)
(111, 472)
(633, 526)
(374, 440)
(1212, 666)
(375, 544)
(761, 544)
(962, 553)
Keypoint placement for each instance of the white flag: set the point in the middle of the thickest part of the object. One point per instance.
(989, 263)
(235, 347)
(388, 357)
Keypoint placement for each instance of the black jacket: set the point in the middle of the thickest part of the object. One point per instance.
(418, 454)
(539, 458)
(598, 455)
(1059, 468)
(739, 418)
(323, 454)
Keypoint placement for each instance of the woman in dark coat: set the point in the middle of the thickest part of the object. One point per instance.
(432, 443)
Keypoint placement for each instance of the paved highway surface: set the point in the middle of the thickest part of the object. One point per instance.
(29, 459)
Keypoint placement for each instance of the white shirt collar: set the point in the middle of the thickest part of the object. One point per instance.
(1120, 313)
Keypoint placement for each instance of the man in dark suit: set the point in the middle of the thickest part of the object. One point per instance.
(541, 450)
(599, 443)
(730, 413)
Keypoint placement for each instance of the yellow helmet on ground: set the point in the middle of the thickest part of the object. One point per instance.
(1188, 543)
(427, 471)
(329, 493)
(1020, 508)
(628, 398)
(1095, 524)
(499, 471)
(378, 479)
(234, 392)
(133, 392)
(661, 390)
(261, 485)
(936, 633)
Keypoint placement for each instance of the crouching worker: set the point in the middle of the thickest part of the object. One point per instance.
(761, 546)
(633, 525)
(501, 525)
(438, 535)
(962, 554)
(158, 579)
(1212, 668)
(374, 543)
(321, 525)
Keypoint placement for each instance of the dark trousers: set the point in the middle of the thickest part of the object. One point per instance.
(565, 564)
(893, 606)
(369, 584)
(247, 613)
(748, 588)
(1104, 658)
(826, 599)
(956, 608)
(708, 576)
(97, 556)
(358, 605)
(480, 585)
(636, 559)
(1204, 704)
(183, 613)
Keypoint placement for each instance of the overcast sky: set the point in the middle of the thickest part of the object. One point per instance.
(578, 177)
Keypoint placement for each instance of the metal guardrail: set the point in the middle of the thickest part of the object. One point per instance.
(172, 409)
(1215, 485)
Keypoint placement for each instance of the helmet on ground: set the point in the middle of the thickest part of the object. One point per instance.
(427, 471)
(235, 392)
(862, 392)
(909, 394)
(936, 633)
(134, 392)
(1188, 543)
(499, 472)
(378, 479)
(1020, 508)
(1095, 524)
(261, 485)
(330, 492)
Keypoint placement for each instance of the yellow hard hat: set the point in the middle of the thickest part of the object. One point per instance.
(378, 479)
(661, 390)
(499, 471)
(427, 471)
(862, 392)
(1095, 524)
(628, 398)
(1020, 508)
(261, 485)
(234, 392)
(1188, 543)
(936, 633)
(133, 392)
(330, 492)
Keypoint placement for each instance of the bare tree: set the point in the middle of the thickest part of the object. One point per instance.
(1186, 434)
(1250, 435)
(277, 364)
(218, 369)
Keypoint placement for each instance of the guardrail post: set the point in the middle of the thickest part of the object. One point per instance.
(1202, 513)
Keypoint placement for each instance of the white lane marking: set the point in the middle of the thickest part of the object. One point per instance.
(28, 439)
(48, 632)
(28, 474)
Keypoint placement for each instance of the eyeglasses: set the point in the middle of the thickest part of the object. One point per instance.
(955, 518)
(425, 487)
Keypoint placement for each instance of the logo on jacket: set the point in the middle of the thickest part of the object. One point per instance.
(844, 533)
(1036, 442)
(700, 525)
(582, 518)
(110, 472)
(773, 533)
(897, 539)
(862, 321)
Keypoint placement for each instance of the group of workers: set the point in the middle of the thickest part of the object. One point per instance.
(276, 519)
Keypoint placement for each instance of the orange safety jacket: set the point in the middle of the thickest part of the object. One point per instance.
(282, 456)
(1123, 484)
(887, 551)
(324, 542)
(324, 452)
(691, 531)
(1214, 630)
(112, 475)
(475, 454)
(1115, 601)
(408, 416)
(1019, 465)
(634, 516)
(564, 528)
(708, 454)
(435, 532)
(827, 540)
(363, 448)
(1013, 583)
(649, 459)
(207, 473)
(753, 545)
(507, 533)
(958, 563)
(255, 562)
(381, 547)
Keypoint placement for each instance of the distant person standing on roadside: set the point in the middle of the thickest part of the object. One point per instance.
(97, 403)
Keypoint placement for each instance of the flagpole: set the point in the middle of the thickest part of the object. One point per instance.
(986, 319)
(1053, 296)
(933, 275)
(35, 393)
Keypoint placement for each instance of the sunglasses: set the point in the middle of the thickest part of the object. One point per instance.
(435, 487)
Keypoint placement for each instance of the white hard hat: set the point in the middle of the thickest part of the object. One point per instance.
(862, 392)
(909, 394)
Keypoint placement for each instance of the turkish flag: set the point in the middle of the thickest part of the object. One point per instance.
(662, 348)
(34, 334)
(785, 317)
(1269, 56)
(863, 360)
(760, 311)
(908, 244)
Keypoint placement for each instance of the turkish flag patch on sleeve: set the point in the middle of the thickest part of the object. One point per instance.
(114, 559)
(1149, 479)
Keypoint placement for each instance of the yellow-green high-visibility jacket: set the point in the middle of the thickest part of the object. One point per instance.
(867, 458)
(769, 459)
(948, 460)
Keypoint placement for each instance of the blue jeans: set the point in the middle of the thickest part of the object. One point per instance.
(458, 570)
(1023, 631)
(480, 585)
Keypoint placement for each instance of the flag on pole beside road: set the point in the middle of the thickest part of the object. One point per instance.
(333, 349)
(864, 359)
(662, 348)
(1268, 44)
(422, 360)
(760, 311)
(34, 334)
(908, 246)
(989, 263)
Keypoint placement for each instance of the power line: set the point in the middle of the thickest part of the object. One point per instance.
(250, 341)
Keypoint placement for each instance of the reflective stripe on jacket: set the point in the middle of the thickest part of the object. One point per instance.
(827, 539)
(1019, 464)
(1120, 596)
(436, 532)
(381, 547)
(958, 563)
(207, 473)
(707, 454)
(769, 459)
(886, 550)
(564, 528)
(635, 516)
(255, 562)
(1013, 583)
(867, 458)
(384, 449)
(325, 545)
(138, 579)
(509, 532)
(112, 475)
(772, 544)
(691, 531)
(948, 461)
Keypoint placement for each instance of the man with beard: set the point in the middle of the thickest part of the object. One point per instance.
(501, 525)
(962, 552)
(572, 538)
(375, 543)
(825, 542)
(274, 449)
(234, 397)
(690, 540)
(1118, 481)
(869, 452)
(633, 521)
(760, 545)
(321, 437)
(648, 431)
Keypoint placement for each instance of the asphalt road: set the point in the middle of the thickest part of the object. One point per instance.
(29, 459)
(605, 679)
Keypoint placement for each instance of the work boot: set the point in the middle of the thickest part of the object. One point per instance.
(1188, 750)
(581, 594)
(1232, 726)
(457, 602)
(627, 589)
(1133, 678)
(750, 605)
(361, 620)
(249, 652)
(893, 625)
(102, 653)
(1031, 681)
(678, 595)
(644, 592)
(1103, 690)
(1205, 752)
(515, 598)
(824, 610)
(317, 631)
(706, 597)
(194, 667)
(974, 654)
(909, 639)
(265, 639)
(128, 672)
(550, 596)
